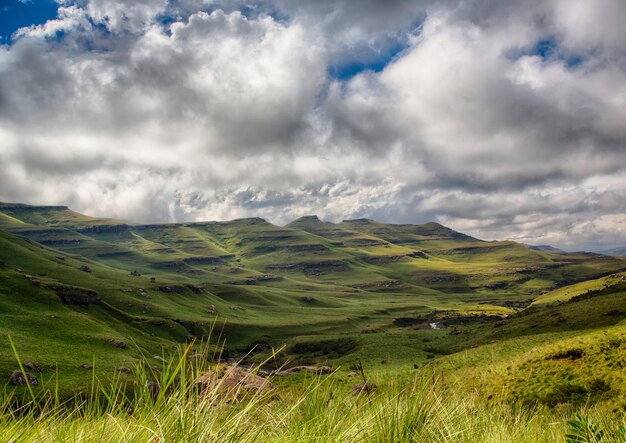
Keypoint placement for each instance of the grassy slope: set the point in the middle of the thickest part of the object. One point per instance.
(568, 292)
(307, 282)
(571, 352)
(55, 334)
(406, 407)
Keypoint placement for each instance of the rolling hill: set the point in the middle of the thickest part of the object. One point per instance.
(77, 290)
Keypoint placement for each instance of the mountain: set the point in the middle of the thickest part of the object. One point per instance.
(74, 288)
(618, 252)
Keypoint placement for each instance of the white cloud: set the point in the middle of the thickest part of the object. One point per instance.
(225, 114)
(125, 15)
(588, 26)
(68, 18)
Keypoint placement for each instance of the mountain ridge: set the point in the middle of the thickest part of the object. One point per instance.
(158, 284)
(12, 207)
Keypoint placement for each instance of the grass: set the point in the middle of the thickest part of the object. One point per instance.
(406, 407)
(325, 293)
(568, 292)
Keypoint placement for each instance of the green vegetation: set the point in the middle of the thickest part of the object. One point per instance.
(175, 403)
(519, 340)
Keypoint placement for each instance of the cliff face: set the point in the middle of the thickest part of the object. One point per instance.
(23, 207)
(104, 229)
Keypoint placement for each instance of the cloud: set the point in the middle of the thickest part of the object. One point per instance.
(188, 110)
(125, 15)
(68, 19)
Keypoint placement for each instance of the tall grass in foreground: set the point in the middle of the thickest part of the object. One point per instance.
(405, 408)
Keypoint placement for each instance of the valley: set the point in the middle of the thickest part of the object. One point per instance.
(73, 287)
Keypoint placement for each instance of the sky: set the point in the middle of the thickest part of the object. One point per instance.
(500, 119)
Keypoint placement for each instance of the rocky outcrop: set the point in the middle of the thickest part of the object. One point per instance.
(443, 277)
(256, 280)
(314, 268)
(104, 229)
(196, 289)
(364, 388)
(382, 284)
(384, 259)
(171, 289)
(498, 285)
(356, 242)
(33, 366)
(305, 248)
(33, 280)
(233, 381)
(72, 295)
(19, 378)
(118, 343)
(476, 249)
(207, 260)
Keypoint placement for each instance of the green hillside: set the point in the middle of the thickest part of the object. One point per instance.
(573, 353)
(393, 295)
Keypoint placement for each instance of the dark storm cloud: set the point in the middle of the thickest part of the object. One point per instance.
(183, 110)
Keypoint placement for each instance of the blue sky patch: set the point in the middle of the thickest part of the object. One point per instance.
(549, 49)
(376, 61)
(15, 14)
(344, 71)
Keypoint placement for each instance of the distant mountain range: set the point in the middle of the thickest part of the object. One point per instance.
(616, 252)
